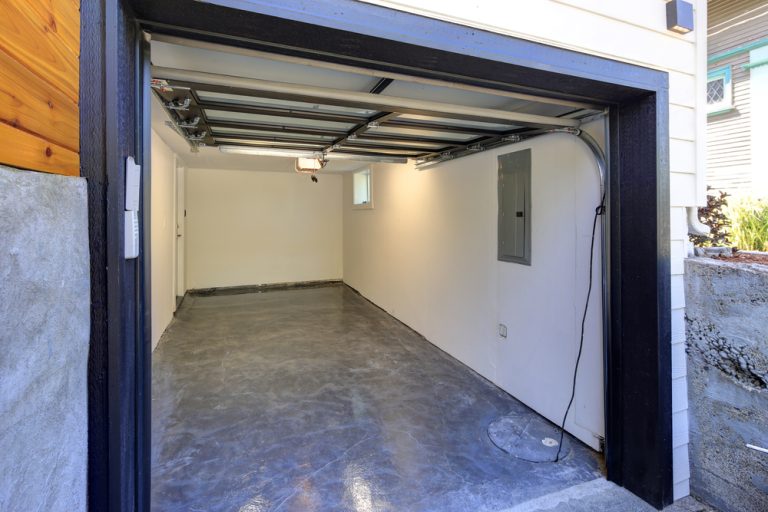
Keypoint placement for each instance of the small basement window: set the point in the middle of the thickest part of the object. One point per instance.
(719, 91)
(515, 207)
(361, 189)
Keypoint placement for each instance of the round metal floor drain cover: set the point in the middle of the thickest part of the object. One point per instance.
(528, 436)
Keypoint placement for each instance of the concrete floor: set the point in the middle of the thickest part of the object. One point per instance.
(601, 495)
(315, 399)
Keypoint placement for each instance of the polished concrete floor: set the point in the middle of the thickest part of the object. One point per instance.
(315, 399)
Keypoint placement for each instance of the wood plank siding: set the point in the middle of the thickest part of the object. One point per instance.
(39, 85)
(732, 25)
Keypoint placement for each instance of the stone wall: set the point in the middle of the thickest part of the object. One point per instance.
(727, 337)
(44, 331)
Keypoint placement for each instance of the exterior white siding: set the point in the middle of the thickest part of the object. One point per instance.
(732, 165)
(631, 31)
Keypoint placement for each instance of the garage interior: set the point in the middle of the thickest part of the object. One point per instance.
(359, 313)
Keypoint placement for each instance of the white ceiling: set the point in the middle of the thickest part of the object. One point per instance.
(251, 66)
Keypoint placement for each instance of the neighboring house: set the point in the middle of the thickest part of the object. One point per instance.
(75, 366)
(737, 97)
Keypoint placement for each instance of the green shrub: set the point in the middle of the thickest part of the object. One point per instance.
(749, 220)
(714, 216)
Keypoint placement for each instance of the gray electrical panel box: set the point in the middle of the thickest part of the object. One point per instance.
(515, 207)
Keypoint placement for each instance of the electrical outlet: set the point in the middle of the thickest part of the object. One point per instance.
(502, 330)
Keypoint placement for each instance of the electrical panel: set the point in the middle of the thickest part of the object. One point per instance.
(515, 207)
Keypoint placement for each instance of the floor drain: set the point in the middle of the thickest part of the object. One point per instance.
(527, 436)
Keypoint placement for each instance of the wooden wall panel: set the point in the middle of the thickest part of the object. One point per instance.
(31, 152)
(39, 85)
(35, 106)
(26, 37)
(60, 17)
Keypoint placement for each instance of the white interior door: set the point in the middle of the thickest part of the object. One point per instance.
(181, 287)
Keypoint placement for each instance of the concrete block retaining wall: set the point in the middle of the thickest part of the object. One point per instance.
(727, 347)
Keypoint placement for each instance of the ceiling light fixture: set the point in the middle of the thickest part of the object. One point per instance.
(306, 165)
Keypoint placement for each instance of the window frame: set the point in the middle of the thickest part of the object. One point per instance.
(726, 104)
(369, 204)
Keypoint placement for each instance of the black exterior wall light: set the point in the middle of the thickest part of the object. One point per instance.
(679, 16)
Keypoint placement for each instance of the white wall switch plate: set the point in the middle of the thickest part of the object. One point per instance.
(502, 330)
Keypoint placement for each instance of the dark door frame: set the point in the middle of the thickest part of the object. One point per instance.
(114, 124)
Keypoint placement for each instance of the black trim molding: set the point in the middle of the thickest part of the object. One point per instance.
(638, 368)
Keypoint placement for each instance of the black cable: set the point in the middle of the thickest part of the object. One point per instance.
(598, 212)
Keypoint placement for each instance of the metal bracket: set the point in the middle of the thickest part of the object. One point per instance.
(191, 123)
(198, 136)
(175, 105)
(572, 131)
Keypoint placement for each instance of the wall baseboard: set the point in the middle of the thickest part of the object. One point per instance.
(260, 288)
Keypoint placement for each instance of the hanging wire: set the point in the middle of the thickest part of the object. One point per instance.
(600, 210)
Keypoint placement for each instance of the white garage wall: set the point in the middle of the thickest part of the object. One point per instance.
(427, 251)
(163, 236)
(631, 31)
(254, 227)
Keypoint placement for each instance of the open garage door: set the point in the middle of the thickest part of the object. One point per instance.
(490, 100)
